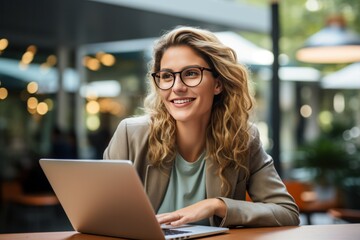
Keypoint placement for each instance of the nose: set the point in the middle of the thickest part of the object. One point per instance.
(178, 84)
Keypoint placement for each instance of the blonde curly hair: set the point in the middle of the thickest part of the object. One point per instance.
(227, 134)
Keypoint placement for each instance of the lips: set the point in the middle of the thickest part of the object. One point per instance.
(182, 101)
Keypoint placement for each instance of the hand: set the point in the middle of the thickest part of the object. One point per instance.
(193, 213)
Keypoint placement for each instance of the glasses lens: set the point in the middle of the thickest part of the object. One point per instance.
(164, 79)
(191, 76)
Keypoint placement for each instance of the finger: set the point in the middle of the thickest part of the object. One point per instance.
(179, 222)
(167, 214)
(167, 218)
(161, 215)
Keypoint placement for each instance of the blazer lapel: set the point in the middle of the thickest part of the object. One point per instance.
(156, 182)
(213, 181)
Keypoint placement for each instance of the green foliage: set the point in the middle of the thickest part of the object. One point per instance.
(327, 159)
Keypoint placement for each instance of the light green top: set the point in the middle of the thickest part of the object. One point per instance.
(186, 186)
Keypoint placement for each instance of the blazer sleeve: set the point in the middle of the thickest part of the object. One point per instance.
(271, 204)
(118, 146)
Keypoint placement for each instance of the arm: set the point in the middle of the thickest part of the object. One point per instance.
(271, 204)
(271, 207)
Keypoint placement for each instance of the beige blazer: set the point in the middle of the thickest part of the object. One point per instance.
(272, 205)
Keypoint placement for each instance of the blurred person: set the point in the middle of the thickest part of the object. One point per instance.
(195, 149)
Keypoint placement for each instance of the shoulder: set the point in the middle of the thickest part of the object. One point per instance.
(258, 157)
(135, 124)
(253, 133)
(136, 121)
(255, 140)
(133, 128)
(129, 139)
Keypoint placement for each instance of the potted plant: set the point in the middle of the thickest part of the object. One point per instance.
(325, 159)
(332, 169)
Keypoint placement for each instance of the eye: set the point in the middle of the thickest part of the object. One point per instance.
(191, 73)
(165, 76)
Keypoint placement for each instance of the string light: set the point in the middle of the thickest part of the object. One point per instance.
(3, 44)
(3, 93)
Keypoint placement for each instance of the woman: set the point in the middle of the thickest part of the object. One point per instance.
(196, 151)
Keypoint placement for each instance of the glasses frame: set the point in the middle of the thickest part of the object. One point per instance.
(202, 69)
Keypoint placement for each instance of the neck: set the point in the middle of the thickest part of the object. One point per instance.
(190, 139)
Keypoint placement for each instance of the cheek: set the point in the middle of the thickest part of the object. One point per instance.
(163, 96)
(209, 92)
(208, 97)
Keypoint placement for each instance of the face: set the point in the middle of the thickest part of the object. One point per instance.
(188, 103)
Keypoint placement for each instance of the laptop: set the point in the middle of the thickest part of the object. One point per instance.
(106, 197)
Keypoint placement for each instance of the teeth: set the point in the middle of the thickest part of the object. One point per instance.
(182, 101)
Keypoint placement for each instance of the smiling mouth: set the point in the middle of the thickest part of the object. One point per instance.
(182, 101)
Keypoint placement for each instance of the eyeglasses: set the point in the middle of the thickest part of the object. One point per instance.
(190, 76)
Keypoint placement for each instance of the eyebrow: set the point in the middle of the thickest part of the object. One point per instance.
(171, 70)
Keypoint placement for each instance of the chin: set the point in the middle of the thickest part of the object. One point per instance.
(181, 117)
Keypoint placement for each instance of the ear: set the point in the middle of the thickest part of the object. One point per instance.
(218, 87)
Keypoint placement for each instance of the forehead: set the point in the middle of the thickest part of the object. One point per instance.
(181, 56)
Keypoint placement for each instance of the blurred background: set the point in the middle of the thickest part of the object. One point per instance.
(70, 70)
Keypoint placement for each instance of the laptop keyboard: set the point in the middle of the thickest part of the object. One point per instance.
(168, 232)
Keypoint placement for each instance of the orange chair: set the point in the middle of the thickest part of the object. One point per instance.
(348, 215)
(307, 200)
(12, 192)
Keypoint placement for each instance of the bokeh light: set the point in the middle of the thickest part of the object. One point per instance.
(32, 87)
(107, 60)
(4, 43)
(306, 111)
(92, 107)
(32, 103)
(3, 93)
(42, 108)
(50, 103)
(93, 122)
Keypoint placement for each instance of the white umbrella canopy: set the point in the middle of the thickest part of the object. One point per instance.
(346, 78)
(246, 51)
(292, 73)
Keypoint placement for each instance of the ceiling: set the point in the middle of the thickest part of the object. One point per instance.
(54, 25)
(70, 23)
(49, 24)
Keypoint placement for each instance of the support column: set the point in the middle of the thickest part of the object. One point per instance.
(80, 124)
(275, 86)
(62, 106)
